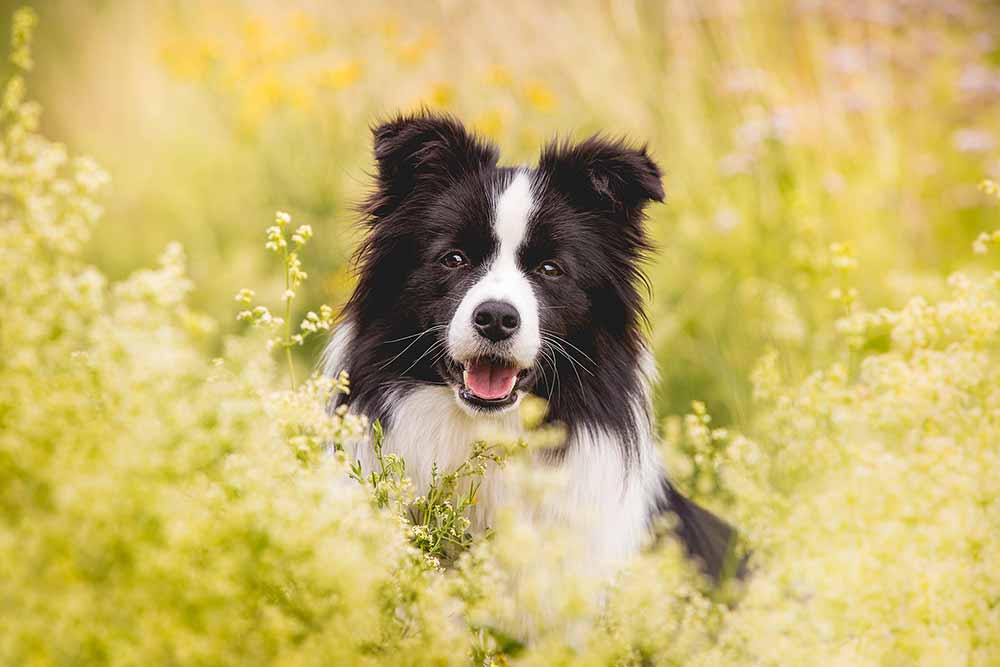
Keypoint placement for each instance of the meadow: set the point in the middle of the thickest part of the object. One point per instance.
(825, 308)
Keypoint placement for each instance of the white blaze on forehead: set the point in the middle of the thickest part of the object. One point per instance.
(503, 281)
(513, 210)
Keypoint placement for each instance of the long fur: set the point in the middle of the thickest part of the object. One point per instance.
(439, 189)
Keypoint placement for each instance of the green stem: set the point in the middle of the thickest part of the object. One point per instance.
(288, 321)
(291, 367)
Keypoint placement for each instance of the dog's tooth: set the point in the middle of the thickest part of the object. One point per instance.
(465, 377)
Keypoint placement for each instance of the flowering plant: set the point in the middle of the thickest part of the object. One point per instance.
(160, 505)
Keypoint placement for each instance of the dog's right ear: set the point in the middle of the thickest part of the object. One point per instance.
(423, 151)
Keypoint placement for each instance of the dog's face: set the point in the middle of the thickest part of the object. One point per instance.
(498, 281)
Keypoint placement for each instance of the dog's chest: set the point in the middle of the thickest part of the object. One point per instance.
(593, 498)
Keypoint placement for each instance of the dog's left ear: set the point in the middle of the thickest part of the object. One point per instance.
(603, 172)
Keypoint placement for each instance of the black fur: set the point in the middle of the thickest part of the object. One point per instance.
(708, 540)
(433, 193)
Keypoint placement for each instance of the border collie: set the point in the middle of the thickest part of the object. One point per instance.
(479, 284)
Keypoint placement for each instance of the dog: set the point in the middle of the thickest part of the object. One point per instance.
(479, 284)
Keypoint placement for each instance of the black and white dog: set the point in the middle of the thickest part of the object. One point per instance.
(480, 284)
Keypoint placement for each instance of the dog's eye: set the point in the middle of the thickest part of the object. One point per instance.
(454, 260)
(549, 269)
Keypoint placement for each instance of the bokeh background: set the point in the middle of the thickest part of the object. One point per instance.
(819, 156)
(825, 313)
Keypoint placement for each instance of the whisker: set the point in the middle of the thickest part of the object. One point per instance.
(545, 376)
(426, 352)
(563, 340)
(555, 381)
(541, 369)
(573, 364)
(421, 333)
(425, 331)
(576, 364)
(551, 358)
(555, 370)
(440, 356)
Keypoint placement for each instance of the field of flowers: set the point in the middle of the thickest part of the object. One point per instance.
(825, 313)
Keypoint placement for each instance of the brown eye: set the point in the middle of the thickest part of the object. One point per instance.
(549, 269)
(454, 260)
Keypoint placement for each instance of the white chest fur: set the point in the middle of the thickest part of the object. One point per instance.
(602, 501)
(599, 501)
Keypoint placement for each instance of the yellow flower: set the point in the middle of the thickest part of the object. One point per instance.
(254, 30)
(264, 95)
(189, 58)
(441, 95)
(413, 51)
(498, 75)
(22, 27)
(306, 30)
(540, 96)
(245, 295)
(490, 123)
(343, 76)
(388, 26)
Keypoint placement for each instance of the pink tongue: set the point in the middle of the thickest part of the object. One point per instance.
(488, 381)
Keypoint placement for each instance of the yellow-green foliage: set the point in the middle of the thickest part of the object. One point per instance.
(161, 506)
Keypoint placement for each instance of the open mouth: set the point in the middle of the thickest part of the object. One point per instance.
(490, 384)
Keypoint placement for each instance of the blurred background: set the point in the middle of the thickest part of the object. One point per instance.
(818, 155)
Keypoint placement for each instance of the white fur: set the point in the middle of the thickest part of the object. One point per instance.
(335, 355)
(603, 502)
(430, 428)
(503, 281)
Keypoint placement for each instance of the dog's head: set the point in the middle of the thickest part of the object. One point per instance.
(498, 281)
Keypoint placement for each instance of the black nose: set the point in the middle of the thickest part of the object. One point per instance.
(496, 320)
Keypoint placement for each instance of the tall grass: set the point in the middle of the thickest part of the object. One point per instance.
(825, 284)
